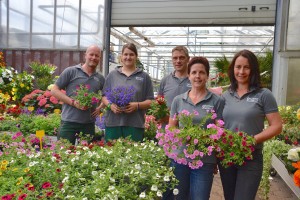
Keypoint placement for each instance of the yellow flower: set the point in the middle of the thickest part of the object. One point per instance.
(22, 85)
(3, 167)
(14, 89)
(0, 173)
(298, 113)
(14, 98)
(57, 111)
(4, 162)
(30, 108)
(14, 169)
(26, 170)
(288, 108)
(19, 191)
(20, 179)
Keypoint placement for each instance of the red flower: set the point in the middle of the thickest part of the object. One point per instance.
(22, 196)
(46, 185)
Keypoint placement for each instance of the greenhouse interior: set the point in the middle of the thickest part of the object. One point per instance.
(52, 35)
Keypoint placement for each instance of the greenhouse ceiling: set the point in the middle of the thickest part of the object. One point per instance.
(156, 43)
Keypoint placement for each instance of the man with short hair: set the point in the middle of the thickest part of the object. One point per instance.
(177, 82)
(75, 118)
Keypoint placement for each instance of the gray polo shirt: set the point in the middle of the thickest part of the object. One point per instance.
(247, 113)
(171, 86)
(142, 83)
(211, 101)
(68, 80)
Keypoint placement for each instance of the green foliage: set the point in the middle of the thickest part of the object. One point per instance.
(49, 123)
(291, 124)
(222, 65)
(29, 124)
(42, 73)
(277, 148)
(9, 124)
(265, 66)
(15, 84)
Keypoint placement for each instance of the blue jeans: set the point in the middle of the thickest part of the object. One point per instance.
(194, 184)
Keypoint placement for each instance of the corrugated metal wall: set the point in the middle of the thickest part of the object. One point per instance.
(20, 59)
(192, 12)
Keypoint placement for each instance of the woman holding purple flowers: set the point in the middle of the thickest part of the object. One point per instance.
(195, 184)
(128, 92)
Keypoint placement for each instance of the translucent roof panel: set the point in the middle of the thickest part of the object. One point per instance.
(211, 42)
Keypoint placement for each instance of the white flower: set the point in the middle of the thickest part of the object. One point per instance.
(85, 198)
(95, 164)
(111, 187)
(167, 178)
(293, 154)
(94, 173)
(159, 193)
(143, 195)
(175, 191)
(97, 190)
(86, 162)
(154, 187)
(138, 167)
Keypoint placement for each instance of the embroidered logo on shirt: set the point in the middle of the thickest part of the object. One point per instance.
(139, 78)
(253, 100)
(188, 85)
(207, 107)
(96, 78)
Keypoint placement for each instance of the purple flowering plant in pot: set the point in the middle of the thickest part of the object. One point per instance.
(121, 95)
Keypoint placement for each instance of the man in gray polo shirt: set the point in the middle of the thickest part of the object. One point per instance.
(75, 118)
(177, 82)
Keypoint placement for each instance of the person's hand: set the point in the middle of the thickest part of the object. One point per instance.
(164, 120)
(131, 107)
(97, 112)
(115, 109)
(80, 107)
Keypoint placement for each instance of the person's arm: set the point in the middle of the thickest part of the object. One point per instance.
(56, 92)
(135, 106)
(274, 128)
(173, 122)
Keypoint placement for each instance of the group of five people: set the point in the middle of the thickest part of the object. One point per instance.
(243, 107)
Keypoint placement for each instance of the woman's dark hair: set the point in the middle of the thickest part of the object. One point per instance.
(200, 60)
(254, 70)
(131, 47)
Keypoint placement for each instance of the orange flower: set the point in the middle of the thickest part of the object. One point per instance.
(297, 178)
(296, 165)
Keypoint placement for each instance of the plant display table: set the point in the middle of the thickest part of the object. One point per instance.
(286, 177)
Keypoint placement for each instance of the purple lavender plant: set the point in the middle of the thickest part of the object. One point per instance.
(121, 95)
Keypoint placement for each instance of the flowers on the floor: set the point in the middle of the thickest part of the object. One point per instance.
(122, 170)
(121, 95)
(158, 108)
(189, 144)
(86, 98)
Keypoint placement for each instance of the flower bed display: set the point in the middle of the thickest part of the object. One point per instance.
(122, 170)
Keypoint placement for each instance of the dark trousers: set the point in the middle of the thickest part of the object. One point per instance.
(68, 130)
(242, 182)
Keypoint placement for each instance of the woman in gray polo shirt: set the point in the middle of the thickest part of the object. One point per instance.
(195, 184)
(246, 107)
(129, 121)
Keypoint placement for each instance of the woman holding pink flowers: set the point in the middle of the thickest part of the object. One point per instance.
(195, 184)
(247, 105)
